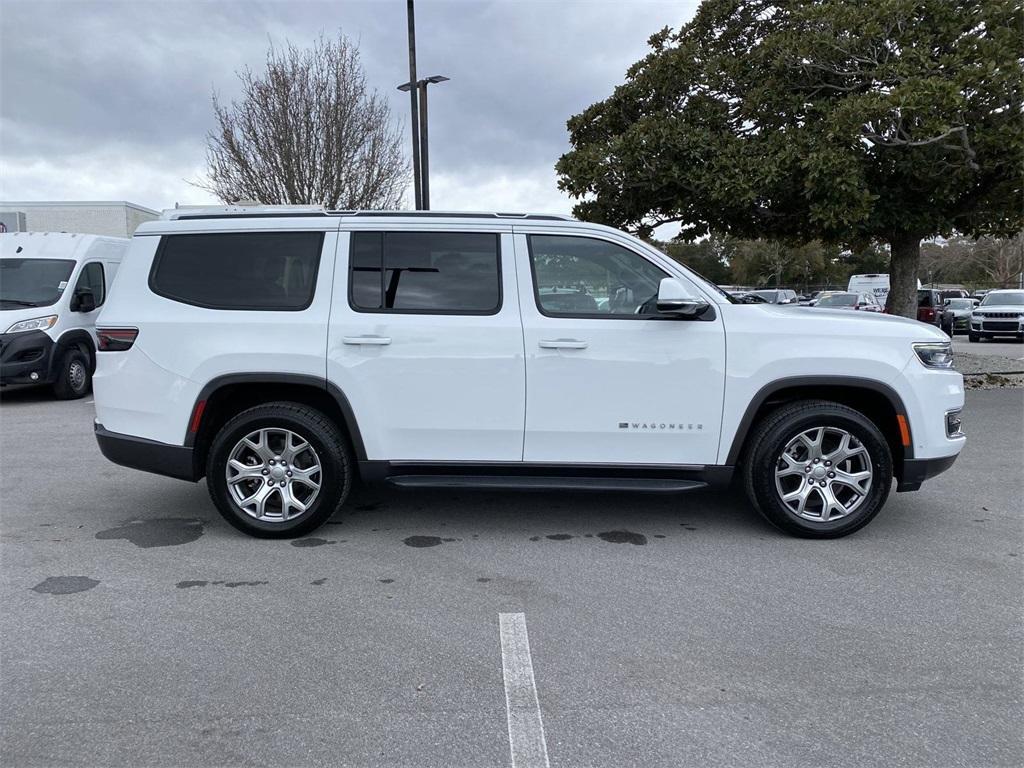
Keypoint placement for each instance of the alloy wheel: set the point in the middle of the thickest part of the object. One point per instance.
(823, 474)
(273, 474)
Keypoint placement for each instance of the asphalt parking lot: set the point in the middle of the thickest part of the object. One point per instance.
(138, 629)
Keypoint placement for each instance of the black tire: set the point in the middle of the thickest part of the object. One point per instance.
(764, 453)
(74, 375)
(330, 449)
(972, 337)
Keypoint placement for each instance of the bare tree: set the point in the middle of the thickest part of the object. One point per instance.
(307, 130)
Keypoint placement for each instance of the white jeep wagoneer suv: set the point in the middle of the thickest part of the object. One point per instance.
(288, 353)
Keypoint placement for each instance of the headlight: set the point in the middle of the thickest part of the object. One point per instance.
(36, 324)
(937, 354)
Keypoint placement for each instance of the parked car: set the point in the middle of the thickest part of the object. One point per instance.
(956, 315)
(929, 306)
(747, 297)
(50, 328)
(286, 354)
(808, 299)
(953, 293)
(1000, 313)
(980, 293)
(843, 300)
(875, 284)
(777, 296)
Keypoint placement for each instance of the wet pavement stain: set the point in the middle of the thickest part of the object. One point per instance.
(691, 528)
(313, 542)
(422, 541)
(158, 532)
(535, 538)
(232, 584)
(559, 536)
(659, 535)
(318, 582)
(386, 581)
(483, 579)
(623, 537)
(64, 585)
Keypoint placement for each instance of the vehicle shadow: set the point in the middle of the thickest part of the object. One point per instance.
(31, 395)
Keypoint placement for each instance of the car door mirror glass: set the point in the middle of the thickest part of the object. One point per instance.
(84, 301)
(675, 299)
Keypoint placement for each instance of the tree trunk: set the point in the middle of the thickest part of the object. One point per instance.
(905, 250)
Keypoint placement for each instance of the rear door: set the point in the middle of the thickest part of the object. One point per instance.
(425, 341)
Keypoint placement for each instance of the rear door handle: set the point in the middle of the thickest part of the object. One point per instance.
(562, 344)
(374, 341)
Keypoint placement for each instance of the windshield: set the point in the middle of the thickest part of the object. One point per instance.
(32, 282)
(838, 300)
(1015, 299)
(961, 304)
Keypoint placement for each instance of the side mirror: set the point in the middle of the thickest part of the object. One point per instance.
(83, 301)
(674, 299)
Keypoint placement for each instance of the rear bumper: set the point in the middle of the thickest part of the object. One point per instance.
(147, 455)
(25, 354)
(916, 471)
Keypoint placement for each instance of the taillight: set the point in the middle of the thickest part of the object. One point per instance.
(116, 339)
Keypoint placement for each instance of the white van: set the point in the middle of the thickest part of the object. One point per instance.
(874, 284)
(48, 331)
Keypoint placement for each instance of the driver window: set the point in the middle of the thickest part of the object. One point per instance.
(91, 278)
(584, 277)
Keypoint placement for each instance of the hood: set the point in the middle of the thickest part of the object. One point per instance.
(1016, 309)
(852, 322)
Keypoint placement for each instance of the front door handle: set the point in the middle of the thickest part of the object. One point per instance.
(562, 344)
(374, 341)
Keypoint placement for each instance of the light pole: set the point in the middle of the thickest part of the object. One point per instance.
(423, 183)
(412, 104)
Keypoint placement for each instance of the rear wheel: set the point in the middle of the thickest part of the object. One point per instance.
(279, 470)
(818, 469)
(74, 377)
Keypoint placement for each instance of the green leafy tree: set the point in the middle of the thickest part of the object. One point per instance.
(710, 257)
(840, 120)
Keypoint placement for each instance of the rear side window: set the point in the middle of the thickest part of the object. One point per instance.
(425, 272)
(243, 270)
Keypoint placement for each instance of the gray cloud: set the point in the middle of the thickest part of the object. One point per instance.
(112, 99)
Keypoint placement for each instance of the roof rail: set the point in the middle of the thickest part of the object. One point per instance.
(242, 211)
(456, 215)
(286, 211)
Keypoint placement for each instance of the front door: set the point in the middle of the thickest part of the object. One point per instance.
(425, 342)
(609, 380)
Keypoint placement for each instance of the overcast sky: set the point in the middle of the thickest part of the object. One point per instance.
(111, 100)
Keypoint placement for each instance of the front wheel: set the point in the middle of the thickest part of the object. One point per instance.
(279, 470)
(972, 337)
(74, 377)
(818, 469)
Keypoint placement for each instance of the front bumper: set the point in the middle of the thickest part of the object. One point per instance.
(916, 471)
(997, 326)
(147, 455)
(26, 358)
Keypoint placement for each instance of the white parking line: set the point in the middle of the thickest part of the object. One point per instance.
(525, 728)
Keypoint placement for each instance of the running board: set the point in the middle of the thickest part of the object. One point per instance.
(544, 483)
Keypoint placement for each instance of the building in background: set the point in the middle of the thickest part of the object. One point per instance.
(115, 217)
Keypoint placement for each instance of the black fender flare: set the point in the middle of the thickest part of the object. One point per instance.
(339, 397)
(848, 382)
(76, 337)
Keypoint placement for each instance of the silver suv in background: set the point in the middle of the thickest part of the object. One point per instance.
(1001, 313)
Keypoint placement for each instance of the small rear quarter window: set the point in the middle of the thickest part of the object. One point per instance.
(238, 270)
